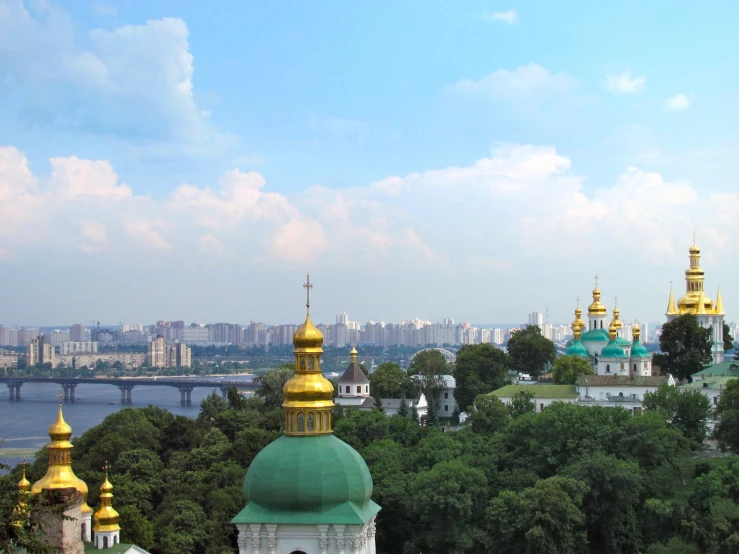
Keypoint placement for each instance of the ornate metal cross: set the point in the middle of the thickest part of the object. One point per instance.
(307, 287)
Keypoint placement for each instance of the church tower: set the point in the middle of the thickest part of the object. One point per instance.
(696, 302)
(59, 474)
(354, 385)
(597, 312)
(307, 492)
(107, 530)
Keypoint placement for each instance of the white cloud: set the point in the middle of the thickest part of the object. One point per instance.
(519, 208)
(678, 102)
(509, 16)
(624, 83)
(144, 232)
(523, 82)
(133, 81)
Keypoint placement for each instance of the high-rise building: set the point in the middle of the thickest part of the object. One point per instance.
(536, 318)
(77, 333)
(165, 355)
(39, 351)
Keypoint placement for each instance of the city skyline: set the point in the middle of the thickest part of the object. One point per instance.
(477, 161)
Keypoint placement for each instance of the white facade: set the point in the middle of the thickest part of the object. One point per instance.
(262, 538)
(392, 405)
(446, 402)
(106, 539)
(73, 347)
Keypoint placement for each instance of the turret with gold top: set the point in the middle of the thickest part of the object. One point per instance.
(307, 480)
(24, 489)
(107, 530)
(597, 312)
(694, 281)
(616, 322)
(577, 348)
(308, 394)
(59, 474)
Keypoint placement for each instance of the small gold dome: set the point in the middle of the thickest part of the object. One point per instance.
(308, 336)
(636, 331)
(24, 484)
(106, 518)
(694, 249)
(597, 307)
(60, 430)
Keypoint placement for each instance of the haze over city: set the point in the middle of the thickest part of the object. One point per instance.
(478, 162)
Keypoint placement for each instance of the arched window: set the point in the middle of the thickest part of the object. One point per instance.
(359, 389)
(310, 363)
(348, 389)
(608, 368)
(601, 325)
(301, 423)
(634, 367)
(82, 529)
(302, 363)
(311, 426)
(115, 539)
(105, 542)
(366, 388)
(325, 420)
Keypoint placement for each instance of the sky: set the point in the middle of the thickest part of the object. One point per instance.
(476, 160)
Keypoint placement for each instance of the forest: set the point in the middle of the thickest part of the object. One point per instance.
(568, 479)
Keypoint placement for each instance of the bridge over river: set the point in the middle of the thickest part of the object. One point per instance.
(184, 385)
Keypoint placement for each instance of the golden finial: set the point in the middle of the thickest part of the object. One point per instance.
(353, 354)
(24, 485)
(307, 286)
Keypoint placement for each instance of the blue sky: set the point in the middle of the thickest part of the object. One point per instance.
(422, 159)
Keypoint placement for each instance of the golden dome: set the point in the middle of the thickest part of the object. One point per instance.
(24, 485)
(597, 307)
(578, 325)
(694, 249)
(308, 395)
(612, 331)
(60, 430)
(59, 474)
(636, 331)
(353, 354)
(694, 301)
(308, 337)
(106, 518)
(616, 321)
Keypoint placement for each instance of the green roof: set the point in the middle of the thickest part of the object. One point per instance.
(577, 348)
(115, 549)
(613, 351)
(728, 368)
(539, 391)
(308, 480)
(595, 335)
(709, 383)
(638, 349)
(623, 342)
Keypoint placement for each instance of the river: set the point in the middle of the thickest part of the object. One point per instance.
(24, 425)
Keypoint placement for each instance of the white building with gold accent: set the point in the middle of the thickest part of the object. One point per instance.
(709, 314)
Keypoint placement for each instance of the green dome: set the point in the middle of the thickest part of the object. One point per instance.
(623, 342)
(595, 335)
(613, 351)
(577, 348)
(639, 350)
(308, 480)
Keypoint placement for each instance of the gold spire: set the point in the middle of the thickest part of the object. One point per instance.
(671, 303)
(353, 355)
(694, 277)
(719, 303)
(20, 512)
(616, 312)
(578, 325)
(612, 331)
(106, 518)
(59, 474)
(701, 306)
(308, 394)
(596, 308)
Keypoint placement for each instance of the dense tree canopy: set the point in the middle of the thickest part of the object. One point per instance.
(567, 369)
(479, 369)
(570, 478)
(727, 413)
(728, 340)
(685, 347)
(686, 410)
(530, 351)
(390, 381)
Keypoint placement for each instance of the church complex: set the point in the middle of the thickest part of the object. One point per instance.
(308, 492)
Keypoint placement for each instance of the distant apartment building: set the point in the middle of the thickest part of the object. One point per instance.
(83, 347)
(77, 333)
(165, 355)
(536, 318)
(57, 337)
(39, 351)
(26, 335)
(195, 334)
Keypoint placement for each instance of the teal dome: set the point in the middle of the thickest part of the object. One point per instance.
(595, 335)
(623, 342)
(612, 351)
(577, 348)
(308, 480)
(639, 350)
